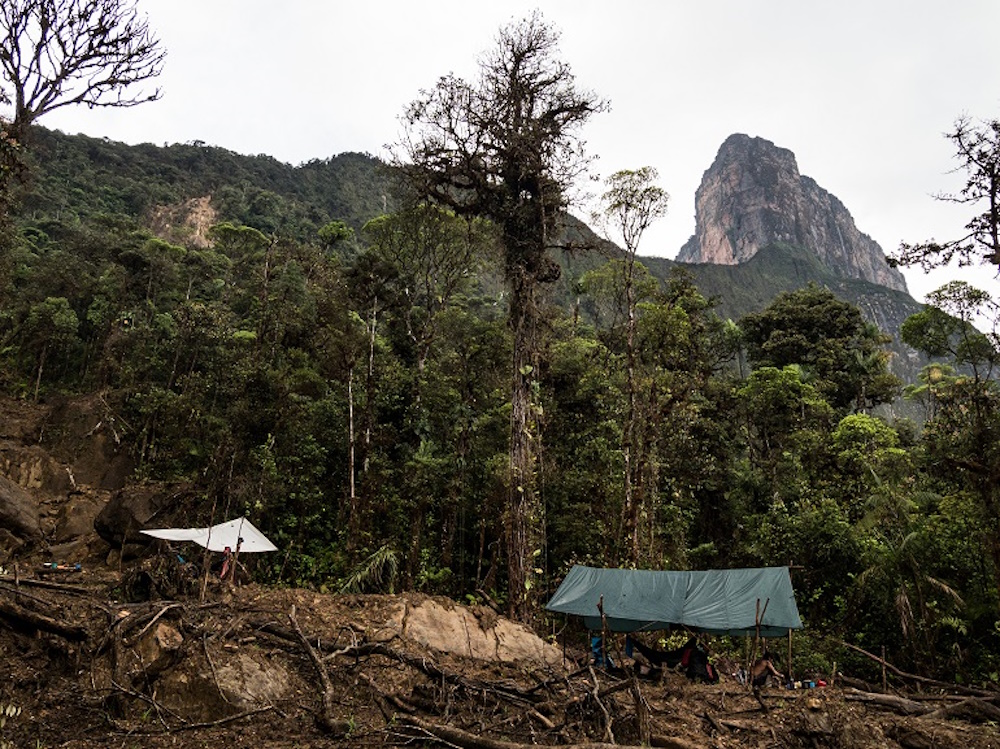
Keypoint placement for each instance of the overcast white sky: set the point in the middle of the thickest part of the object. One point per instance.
(861, 91)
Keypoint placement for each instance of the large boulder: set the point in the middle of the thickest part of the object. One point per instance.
(32, 468)
(75, 518)
(470, 632)
(227, 683)
(18, 511)
(130, 511)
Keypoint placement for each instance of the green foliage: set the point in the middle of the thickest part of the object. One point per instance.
(377, 572)
(632, 203)
(871, 464)
(830, 340)
(945, 328)
(352, 395)
(334, 233)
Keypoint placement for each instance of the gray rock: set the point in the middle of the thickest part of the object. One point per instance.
(18, 511)
(128, 512)
(753, 196)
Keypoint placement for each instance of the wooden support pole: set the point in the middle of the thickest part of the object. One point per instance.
(604, 633)
(791, 676)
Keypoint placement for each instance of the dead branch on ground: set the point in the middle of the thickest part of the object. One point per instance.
(608, 733)
(207, 724)
(511, 692)
(465, 740)
(920, 679)
(327, 720)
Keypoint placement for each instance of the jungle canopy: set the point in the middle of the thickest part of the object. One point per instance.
(718, 602)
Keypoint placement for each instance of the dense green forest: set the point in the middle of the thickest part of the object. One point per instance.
(335, 365)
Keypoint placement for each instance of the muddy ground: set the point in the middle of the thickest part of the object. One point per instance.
(233, 670)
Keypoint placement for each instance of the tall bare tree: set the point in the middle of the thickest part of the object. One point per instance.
(631, 204)
(977, 149)
(507, 148)
(55, 53)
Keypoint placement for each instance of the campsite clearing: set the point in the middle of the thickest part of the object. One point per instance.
(253, 666)
(124, 653)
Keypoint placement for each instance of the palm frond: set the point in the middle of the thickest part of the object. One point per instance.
(379, 567)
(905, 609)
(943, 587)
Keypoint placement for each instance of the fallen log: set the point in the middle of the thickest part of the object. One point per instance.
(713, 721)
(76, 590)
(920, 679)
(860, 684)
(899, 704)
(744, 725)
(24, 617)
(465, 740)
(971, 709)
(673, 742)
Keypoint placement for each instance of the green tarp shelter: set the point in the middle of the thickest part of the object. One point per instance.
(718, 602)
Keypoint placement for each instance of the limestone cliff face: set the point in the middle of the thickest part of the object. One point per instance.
(753, 196)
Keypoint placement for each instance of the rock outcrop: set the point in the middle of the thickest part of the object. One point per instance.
(753, 196)
(18, 511)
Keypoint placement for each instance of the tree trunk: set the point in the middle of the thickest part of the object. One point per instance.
(525, 517)
(353, 523)
(630, 509)
(41, 366)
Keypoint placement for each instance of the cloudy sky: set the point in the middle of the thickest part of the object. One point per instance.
(861, 91)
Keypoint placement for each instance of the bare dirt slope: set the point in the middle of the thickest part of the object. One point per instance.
(235, 670)
(140, 653)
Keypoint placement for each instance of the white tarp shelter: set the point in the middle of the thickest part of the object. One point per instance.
(239, 533)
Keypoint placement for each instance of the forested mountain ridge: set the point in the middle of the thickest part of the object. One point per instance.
(177, 191)
(241, 351)
(83, 177)
(750, 286)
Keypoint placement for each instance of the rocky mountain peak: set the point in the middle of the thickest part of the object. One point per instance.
(753, 196)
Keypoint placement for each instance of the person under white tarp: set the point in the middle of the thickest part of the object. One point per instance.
(239, 534)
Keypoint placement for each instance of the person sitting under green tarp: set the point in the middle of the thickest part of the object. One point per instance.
(763, 669)
(601, 656)
(692, 656)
